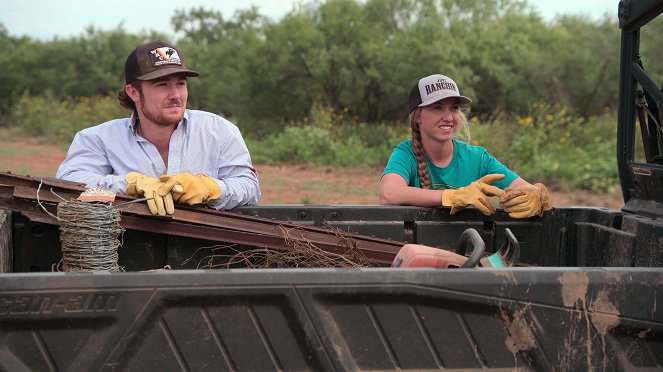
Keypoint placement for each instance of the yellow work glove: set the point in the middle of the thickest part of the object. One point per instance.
(141, 185)
(475, 194)
(197, 189)
(527, 201)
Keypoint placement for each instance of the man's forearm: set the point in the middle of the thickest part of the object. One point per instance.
(237, 191)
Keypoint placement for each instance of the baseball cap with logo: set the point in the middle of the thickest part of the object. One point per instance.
(153, 60)
(433, 88)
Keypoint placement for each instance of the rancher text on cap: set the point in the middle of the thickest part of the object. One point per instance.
(433, 88)
(153, 60)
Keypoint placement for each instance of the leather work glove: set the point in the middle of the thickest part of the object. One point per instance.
(141, 185)
(197, 189)
(475, 194)
(527, 201)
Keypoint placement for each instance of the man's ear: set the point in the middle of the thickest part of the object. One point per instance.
(132, 92)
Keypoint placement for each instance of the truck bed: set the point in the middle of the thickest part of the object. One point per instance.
(588, 294)
(334, 319)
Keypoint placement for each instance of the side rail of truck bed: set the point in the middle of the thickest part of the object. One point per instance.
(588, 237)
(333, 319)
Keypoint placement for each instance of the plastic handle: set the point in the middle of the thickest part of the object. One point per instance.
(471, 236)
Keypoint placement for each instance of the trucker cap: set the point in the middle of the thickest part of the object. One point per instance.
(433, 88)
(153, 60)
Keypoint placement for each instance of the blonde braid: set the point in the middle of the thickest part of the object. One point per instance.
(418, 149)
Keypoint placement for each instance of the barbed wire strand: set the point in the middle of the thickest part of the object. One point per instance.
(298, 252)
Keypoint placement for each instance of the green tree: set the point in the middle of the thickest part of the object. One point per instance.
(651, 51)
(221, 51)
(285, 79)
(92, 64)
(10, 78)
(356, 57)
(586, 65)
(95, 62)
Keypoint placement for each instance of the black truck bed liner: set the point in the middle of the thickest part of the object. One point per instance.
(590, 298)
(334, 319)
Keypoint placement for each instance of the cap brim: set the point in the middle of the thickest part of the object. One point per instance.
(167, 71)
(462, 100)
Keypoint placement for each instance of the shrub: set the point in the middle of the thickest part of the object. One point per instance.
(551, 144)
(329, 138)
(58, 121)
(34, 114)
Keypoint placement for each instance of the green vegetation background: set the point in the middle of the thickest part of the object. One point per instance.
(328, 83)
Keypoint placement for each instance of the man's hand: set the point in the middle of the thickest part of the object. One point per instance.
(197, 189)
(475, 194)
(526, 201)
(146, 186)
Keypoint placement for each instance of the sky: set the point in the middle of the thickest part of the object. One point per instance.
(47, 19)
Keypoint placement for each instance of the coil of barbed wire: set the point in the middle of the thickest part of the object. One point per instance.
(89, 235)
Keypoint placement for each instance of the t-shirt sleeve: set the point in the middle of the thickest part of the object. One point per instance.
(403, 163)
(490, 165)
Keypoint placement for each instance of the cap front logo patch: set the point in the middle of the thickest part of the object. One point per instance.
(164, 56)
(439, 85)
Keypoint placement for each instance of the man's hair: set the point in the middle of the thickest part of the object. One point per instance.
(462, 133)
(124, 99)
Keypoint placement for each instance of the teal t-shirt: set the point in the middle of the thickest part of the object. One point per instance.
(469, 163)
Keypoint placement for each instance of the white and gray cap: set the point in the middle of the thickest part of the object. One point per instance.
(433, 88)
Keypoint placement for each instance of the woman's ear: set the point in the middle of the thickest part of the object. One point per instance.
(417, 116)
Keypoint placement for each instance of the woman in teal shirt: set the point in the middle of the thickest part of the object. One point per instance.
(433, 168)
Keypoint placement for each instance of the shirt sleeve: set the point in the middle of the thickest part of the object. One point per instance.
(403, 163)
(87, 163)
(236, 176)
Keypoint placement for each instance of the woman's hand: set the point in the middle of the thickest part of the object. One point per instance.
(477, 194)
(526, 201)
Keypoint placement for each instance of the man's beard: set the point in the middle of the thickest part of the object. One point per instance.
(158, 119)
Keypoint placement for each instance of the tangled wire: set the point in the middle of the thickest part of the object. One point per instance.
(298, 252)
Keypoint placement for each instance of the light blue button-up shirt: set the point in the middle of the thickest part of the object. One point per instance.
(203, 142)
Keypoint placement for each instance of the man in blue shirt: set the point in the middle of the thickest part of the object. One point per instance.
(164, 151)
